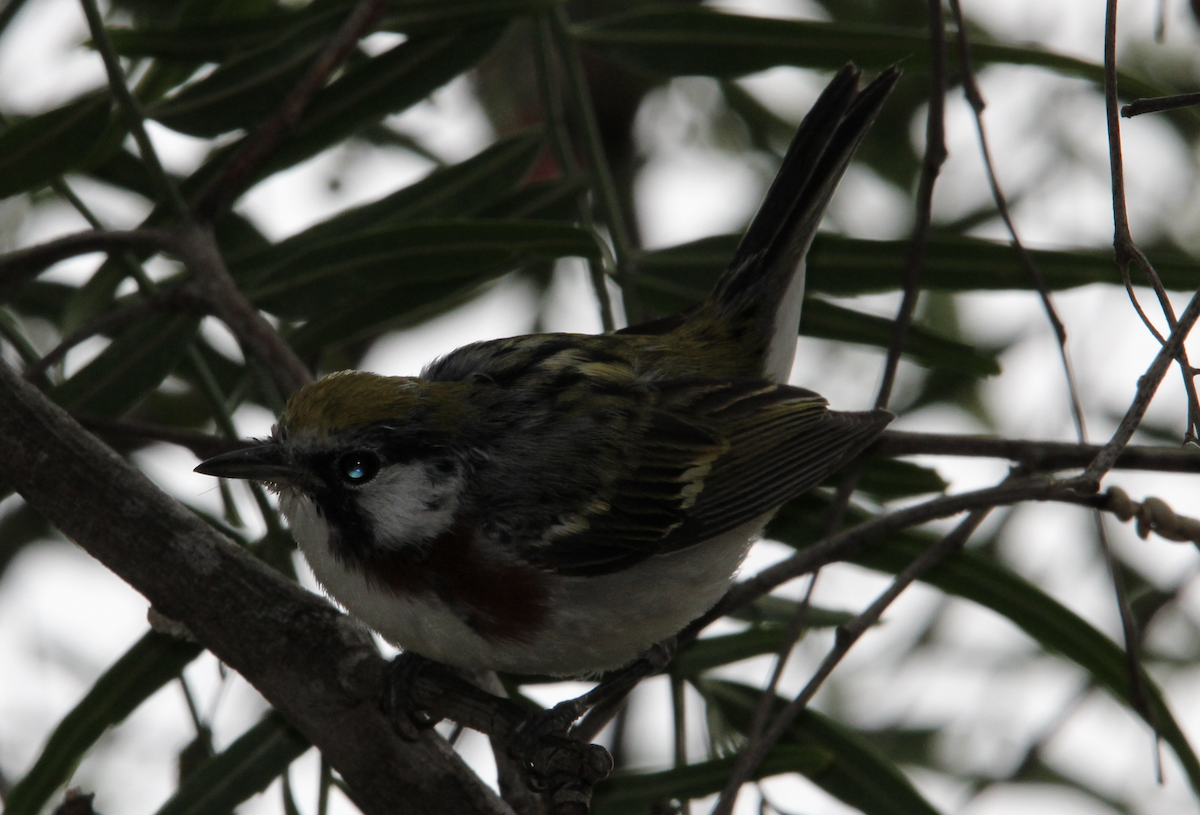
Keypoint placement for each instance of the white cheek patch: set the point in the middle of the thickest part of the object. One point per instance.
(406, 506)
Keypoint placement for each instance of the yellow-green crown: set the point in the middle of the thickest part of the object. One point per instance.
(349, 399)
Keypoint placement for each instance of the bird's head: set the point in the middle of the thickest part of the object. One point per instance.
(377, 458)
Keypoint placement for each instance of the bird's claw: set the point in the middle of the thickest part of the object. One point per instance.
(408, 719)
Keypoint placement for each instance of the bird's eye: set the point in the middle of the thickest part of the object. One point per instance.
(358, 467)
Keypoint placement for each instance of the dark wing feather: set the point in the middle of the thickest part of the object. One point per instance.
(715, 454)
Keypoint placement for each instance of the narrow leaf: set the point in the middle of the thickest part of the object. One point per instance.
(974, 577)
(136, 362)
(636, 793)
(243, 91)
(680, 40)
(340, 271)
(858, 775)
(827, 321)
(460, 190)
(37, 150)
(217, 41)
(245, 768)
(363, 95)
(886, 479)
(152, 662)
(673, 279)
(843, 266)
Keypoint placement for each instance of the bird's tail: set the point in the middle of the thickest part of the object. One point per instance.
(763, 286)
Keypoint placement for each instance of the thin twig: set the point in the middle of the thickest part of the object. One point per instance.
(1138, 695)
(171, 299)
(975, 99)
(128, 431)
(263, 141)
(1033, 455)
(134, 116)
(1124, 249)
(17, 268)
(218, 290)
(606, 187)
(847, 635)
(1147, 384)
(560, 140)
(935, 155)
(848, 543)
(1157, 104)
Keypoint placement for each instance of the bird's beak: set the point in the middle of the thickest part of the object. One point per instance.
(263, 462)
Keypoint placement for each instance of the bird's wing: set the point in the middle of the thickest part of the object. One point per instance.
(712, 456)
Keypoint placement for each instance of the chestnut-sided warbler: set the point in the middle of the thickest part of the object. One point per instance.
(556, 503)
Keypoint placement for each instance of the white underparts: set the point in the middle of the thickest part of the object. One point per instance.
(594, 623)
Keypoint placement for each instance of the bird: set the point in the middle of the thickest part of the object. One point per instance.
(557, 503)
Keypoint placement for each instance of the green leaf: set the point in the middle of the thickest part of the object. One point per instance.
(204, 41)
(550, 200)
(843, 266)
(134, 363)
(679, 40)
(673, 279)
(781, 611)
(858, 775)
(245, 90)
(368, 315)
(713, 652)
(363, 95)
(974, 577)
(152, 662)
(460, 190)
(216, 42)
(827, 321)
(245, 768)
(342, 271)
(635, 793)
(35, 151)
(886, 479)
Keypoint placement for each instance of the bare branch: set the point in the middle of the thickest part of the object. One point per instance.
(1158, 104)
(975, 98)
(935, 156)
(19, 267)
(176, 297)
(310, 661)
(846, 544)
(1124, 249)
(217, 289)
(1033, 455)
(1147, 385)
(847, 635)
(127, 431)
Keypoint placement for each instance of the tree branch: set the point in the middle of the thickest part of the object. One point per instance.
(309, 660)
(931, 165)
(1034, 455)
(217, 289)
(1147, 384)
(19, 267)
(847, 635)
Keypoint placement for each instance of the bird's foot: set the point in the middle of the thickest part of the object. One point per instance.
(408, 718)
(541, 741)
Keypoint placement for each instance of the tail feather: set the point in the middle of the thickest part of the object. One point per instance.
(764, 282)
